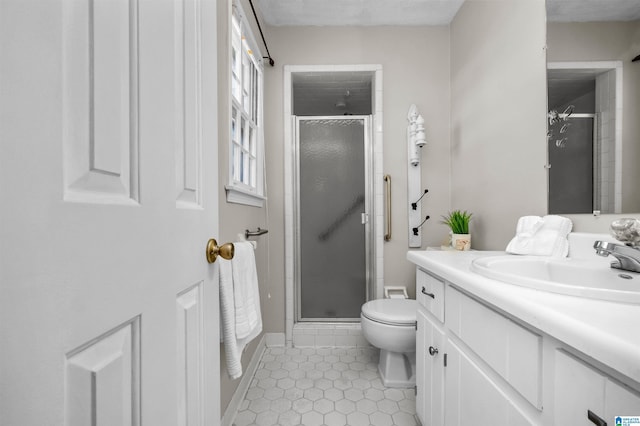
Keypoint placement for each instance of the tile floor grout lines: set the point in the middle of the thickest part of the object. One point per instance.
(323, 387)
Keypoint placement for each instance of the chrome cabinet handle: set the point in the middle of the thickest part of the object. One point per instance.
(431, 295)
(433, 351)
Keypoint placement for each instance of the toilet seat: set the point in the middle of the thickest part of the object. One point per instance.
(398, 312)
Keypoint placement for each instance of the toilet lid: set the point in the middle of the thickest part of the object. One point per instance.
(391, 311)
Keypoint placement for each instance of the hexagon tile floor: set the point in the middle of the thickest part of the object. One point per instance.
(323, 386)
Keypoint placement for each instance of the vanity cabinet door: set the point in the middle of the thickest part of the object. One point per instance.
(585, 396)
(429, 371)
(472, 398)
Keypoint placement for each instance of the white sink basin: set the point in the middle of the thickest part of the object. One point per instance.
(574, 277)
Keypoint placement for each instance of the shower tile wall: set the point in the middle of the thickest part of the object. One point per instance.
(606, 107)
(323, 386)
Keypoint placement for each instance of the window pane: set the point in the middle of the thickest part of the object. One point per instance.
(246, 98)
(246, 162)
(236, 67)
(233, 125)
(254, 178)
(236, 163)
(252, 141)
(246, 82)
(235, 89)
(241, 165)
(254, 88)
(242, 136)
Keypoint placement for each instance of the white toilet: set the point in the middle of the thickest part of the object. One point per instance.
(390, 325)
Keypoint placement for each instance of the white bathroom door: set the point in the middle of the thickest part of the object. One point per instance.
(108, 192)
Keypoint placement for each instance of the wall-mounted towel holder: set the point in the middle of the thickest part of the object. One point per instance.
(256, 233)
(414, 206)
(417, 228)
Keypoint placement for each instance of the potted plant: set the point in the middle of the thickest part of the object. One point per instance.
(458, 222)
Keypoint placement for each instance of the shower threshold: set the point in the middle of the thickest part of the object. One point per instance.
(323, 334)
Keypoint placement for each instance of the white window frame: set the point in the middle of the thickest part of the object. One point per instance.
(245, 183)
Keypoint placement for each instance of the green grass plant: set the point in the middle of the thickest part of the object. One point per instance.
(458, 221)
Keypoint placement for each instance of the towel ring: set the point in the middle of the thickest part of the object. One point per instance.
(226, 251)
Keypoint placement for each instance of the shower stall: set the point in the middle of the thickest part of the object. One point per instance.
(574, 175)
(332, 202)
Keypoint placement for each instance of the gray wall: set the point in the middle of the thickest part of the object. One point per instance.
(498, 116)
(235, 218)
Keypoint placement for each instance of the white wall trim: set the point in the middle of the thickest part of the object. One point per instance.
(239, 196)
(289, 190)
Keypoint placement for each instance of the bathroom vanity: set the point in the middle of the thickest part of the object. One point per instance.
(494, 353)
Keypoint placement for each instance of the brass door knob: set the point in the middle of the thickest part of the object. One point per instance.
(225, 251)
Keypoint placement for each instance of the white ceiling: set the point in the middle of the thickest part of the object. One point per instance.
(592, 10)
(358, 12)
(424, 12)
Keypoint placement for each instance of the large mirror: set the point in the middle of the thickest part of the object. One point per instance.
(593, 106)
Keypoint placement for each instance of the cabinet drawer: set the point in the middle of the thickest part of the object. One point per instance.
(586, 396)
(511, 350)
(430, 293)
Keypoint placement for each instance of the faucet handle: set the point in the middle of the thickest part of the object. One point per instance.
(626, 230)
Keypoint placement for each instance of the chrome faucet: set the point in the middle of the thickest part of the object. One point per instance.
(628, 257)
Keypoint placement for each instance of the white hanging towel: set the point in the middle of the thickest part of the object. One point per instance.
(541, 236)
(246, 292)
(241, 318)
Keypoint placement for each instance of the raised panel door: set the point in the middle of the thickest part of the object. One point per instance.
(430, 369)
(108, 189)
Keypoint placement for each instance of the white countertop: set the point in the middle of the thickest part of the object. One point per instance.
(608, 332)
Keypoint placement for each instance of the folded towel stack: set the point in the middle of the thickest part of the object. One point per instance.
(241, 319)
(541, 236)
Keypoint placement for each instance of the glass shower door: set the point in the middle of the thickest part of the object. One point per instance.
(332, 239)
(571, 176)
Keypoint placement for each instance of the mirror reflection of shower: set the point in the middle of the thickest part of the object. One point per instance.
(559, 125)
(582, 139)
(343, 102)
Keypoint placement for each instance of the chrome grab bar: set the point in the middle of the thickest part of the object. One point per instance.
(387, 235)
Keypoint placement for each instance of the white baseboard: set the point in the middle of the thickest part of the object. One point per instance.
(268, 340)
(243, 386)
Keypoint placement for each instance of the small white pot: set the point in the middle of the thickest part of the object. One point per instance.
(461, 242)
